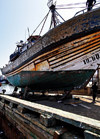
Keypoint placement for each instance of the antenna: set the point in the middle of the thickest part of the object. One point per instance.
(28, 32)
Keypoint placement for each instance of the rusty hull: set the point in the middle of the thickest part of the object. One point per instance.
(52, 80)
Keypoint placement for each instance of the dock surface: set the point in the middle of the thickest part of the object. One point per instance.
(43, 116)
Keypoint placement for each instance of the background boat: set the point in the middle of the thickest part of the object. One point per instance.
(3, 79)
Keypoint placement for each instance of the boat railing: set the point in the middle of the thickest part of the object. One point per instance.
(86, 9)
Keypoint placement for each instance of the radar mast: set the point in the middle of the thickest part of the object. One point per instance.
(54, 18)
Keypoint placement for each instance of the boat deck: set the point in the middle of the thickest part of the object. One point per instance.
(51, 119)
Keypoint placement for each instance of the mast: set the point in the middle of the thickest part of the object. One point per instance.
(54, 19)
(52, 8)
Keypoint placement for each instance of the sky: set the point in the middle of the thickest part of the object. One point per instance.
(16, 16)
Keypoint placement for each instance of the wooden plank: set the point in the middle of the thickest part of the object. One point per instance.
(69, 135)
(27, 125)
(25, 132)
(57, 134)
(21, 109)
(47, 120)
(91, 135)
(35, 120)
(74, 119)
(11, 129)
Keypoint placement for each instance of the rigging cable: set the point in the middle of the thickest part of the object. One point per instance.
(69, 8)
(73, 5)
(41, 22)
(44, 22)
(60, 7)
(70, 4)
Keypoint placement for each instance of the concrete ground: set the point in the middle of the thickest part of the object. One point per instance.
(79, 104)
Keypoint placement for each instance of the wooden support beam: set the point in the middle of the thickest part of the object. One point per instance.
(57, 134)
(26, 125)
(66, 117)
(47, 120)
(35, 120)
(11, 105)
(91, 135)
(21, 109)
(28, 134)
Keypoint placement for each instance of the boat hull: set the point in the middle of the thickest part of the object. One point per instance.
(4, 81)
(50, 80)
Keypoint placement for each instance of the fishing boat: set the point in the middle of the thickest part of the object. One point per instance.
(64, 58)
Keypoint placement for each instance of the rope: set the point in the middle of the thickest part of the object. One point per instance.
(58, 8)
(44, 22)
(70, 4)
(74, 4)
(41, 22)
(85, 9)
(69, 8)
